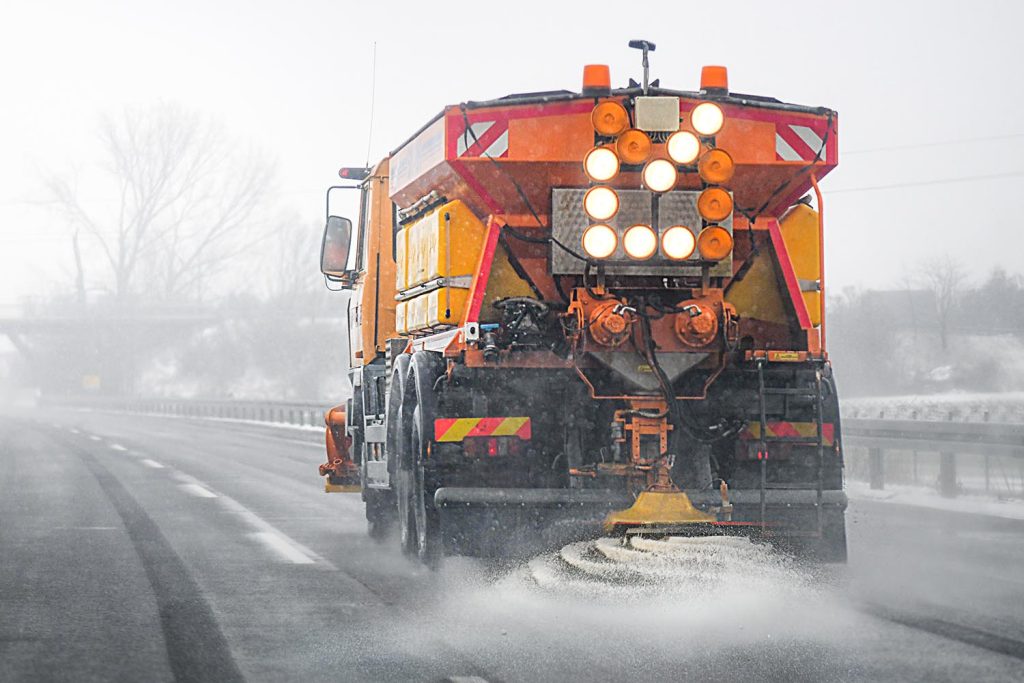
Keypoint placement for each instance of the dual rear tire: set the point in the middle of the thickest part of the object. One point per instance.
(410, 426)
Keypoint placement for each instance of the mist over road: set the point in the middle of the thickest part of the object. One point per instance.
(148, 548)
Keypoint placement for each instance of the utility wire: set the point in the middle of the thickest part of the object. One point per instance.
(373, 98)
(923, 183)
(919, 145)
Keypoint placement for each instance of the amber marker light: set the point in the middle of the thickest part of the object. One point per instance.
(707, 118)
(714, 243)
(678, 242)
(660, 175)
(609, 118)
(633, 146)
(716, 167)
(599, 241)
(601, 164)
(640, 242)
(601, 203)
(714, 204)
(597, 79)
(683, 147)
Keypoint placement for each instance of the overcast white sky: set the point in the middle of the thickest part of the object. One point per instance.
(294, 78)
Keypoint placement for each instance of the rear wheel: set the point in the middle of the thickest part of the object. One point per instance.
(429, 546)
(380, 513)
(405, 485)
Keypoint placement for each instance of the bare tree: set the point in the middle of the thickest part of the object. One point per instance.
(945, 278)
(181, 191)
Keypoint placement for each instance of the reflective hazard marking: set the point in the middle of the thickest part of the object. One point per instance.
(798, 143)
(483, 139)
(791, 430)
(458, 428)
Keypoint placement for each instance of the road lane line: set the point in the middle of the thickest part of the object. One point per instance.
(93, 437)
(75, 431)
(282, 547)
(196, 647)
(263, 531)
(197, 491)
(152, 463)
(312, 444)
(117, 447)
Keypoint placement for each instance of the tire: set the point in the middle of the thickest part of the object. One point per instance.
(831, 547)
(380, 513)
(425, 369)
(429, 545)
(401, 399)
(404, 484)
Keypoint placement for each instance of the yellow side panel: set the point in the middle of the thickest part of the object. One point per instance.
(757, 295)
(433, 243)
(799, 229)
(445, 306)
(415, 314)
(440, 307)
(402, 260)
(400, 325)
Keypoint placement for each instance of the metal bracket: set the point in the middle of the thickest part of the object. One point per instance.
(456, 281)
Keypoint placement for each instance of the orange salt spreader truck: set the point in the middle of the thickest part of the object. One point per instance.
(576, 311)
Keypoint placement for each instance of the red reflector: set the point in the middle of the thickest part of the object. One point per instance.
(492, 447)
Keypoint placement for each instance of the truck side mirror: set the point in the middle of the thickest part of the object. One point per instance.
(335, 247)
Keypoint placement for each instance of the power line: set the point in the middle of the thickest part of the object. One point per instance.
(922, 183)
(918, 145)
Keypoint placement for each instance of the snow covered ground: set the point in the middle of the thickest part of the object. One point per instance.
(1007, 407)
(920, 496)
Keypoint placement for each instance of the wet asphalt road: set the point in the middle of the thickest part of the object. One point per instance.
(149, 549)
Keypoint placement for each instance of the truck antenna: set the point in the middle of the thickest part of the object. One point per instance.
(646, 46)
(373, 97)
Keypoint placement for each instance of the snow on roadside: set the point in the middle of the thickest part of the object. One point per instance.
(958, 406)
(928, 498)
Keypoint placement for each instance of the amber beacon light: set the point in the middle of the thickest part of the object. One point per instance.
(597, 79)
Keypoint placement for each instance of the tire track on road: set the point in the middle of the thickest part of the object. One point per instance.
(196, 648)
(948, 629)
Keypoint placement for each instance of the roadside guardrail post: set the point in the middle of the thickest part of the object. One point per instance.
(947, 475)
(876, 469)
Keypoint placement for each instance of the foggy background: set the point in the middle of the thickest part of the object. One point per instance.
(162, 197)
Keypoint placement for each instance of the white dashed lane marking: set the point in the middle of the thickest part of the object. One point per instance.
(152, 463)
(282, 546)
(117, 447)
(197, 491)
(93, 437)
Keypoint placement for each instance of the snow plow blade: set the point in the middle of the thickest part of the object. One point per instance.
(654, 509)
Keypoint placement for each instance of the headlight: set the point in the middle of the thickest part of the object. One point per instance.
(714, 243)
(601, 164)
(609, 118)
(683, 147)
(678, 242)
(707, 118)
(716, 167)
(640, 242)
(714, 204)
(660, 175)
(601, 203)
(633, 146)
(599, 241)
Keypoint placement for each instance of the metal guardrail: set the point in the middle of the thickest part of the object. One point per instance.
(982, 438)
(954, 457)
(300, 413)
